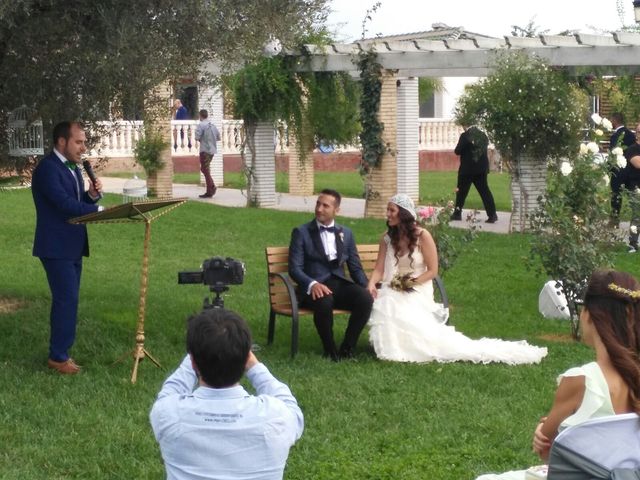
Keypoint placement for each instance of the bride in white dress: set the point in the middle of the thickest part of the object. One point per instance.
(406, 324)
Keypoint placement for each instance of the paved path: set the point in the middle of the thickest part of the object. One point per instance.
(350, 207)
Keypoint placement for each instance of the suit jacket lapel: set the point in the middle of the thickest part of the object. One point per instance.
(78, 181)
(339, 243)
(65, 172)
(315, 238)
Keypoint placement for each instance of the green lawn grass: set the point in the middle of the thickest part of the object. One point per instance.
(364, 419)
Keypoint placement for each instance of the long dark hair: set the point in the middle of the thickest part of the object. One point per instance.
(406, 228)
(613, 302)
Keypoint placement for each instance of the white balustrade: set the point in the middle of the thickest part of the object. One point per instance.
(438, 134)
(118, 138)
(232, 136)
(183, 133)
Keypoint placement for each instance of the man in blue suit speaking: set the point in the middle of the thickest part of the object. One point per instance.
(59, 195)
(318, 253)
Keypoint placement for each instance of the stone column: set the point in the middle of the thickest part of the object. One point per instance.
(264, 188)
(528, 182)
(407, 135)
(301, 167)
(211, 99)
(158, 112)
(383, 179)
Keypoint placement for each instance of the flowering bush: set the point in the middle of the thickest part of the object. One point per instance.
(615, 159)
(532, 113)
(572, 236)
(449, 240)
(517, 105)
(427, 215)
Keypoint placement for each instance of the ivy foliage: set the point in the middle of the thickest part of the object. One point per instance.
(526, 107)
(315, 105)
(372, 145)
(266, 91)
(333, 106)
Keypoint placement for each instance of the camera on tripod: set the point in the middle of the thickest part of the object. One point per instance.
(218, 273)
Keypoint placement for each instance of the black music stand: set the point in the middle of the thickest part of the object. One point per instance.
(136, 212)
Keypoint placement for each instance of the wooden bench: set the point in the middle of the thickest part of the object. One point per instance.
(283, 294)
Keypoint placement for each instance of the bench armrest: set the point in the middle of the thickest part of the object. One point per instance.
(291, 291)
(443, 293)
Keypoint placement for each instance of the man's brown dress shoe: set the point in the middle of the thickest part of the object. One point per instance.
(67, 367)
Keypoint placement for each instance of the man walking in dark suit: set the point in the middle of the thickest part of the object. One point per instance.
(474, 169)
(59, 195)
(621, 137)
(632, 184)
(318, 253)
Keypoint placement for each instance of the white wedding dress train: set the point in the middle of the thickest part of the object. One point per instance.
(411, 326)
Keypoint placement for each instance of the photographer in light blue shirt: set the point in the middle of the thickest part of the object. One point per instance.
(220, 431)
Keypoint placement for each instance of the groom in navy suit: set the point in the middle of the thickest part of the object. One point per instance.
(318, 253)
(59, 195)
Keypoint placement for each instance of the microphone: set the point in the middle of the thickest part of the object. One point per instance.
(91, 174)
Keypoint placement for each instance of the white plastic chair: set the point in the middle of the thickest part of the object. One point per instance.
(601, 448)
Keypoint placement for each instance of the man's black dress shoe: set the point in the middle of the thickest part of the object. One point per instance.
(332, 355)
(346, 354)
(456, 216)
(493, 219)
(206, 195)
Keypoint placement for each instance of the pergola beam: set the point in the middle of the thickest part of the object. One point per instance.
(611, 54)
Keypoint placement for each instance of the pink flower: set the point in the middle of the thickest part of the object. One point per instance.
(426, 213)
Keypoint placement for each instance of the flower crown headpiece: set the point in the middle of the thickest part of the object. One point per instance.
(632, 294)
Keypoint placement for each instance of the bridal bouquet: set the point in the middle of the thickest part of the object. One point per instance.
(403, 283)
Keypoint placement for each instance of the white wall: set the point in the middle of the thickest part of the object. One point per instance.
(453, 89)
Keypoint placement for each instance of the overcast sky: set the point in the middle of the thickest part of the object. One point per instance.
(489, 17)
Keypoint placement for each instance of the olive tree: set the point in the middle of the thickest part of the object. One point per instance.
(91, 59)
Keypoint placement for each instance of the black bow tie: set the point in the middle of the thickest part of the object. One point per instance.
(327, 229)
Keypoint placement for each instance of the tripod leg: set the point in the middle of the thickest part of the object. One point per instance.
(134, 374)
(146, 352)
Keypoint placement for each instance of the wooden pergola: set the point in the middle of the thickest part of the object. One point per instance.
(473, 57)
(403, 62)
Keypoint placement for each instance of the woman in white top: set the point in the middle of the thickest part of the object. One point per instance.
(407, 325)
(610, 322)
